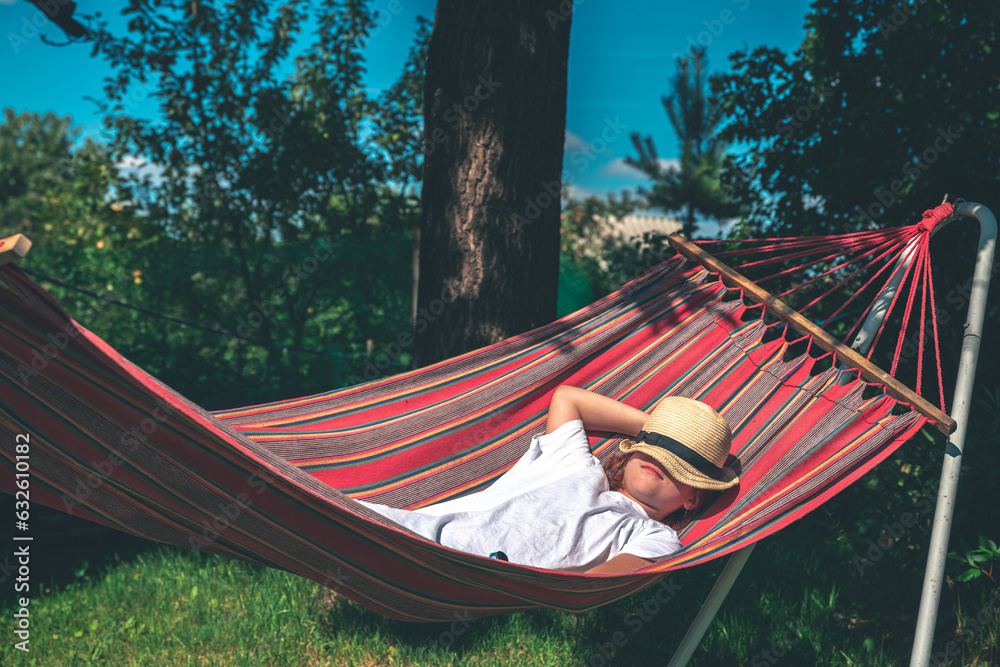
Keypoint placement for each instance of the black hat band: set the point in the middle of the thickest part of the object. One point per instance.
(684, 453)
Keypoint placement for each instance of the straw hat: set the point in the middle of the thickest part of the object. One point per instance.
(691, 440)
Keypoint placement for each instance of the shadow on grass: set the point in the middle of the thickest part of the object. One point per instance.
(641, 628)
(343, 617)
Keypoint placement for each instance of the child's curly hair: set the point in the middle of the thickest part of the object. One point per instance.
(614, 468)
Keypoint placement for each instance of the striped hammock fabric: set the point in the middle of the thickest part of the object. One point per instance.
(273, 484)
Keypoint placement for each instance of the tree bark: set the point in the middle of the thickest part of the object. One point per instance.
(494, 127)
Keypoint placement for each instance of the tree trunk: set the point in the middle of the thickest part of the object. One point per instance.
(494, 127)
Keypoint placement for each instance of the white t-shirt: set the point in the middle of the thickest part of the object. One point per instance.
(551, 510)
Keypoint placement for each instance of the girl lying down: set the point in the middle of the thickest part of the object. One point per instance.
(558, 508)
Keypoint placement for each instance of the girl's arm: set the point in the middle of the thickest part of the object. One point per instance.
(599, 413)
(621, 564)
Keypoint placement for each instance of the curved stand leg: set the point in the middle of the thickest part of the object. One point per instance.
(711, 607)
(934, 574)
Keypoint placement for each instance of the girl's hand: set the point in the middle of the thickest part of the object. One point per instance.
(599, 413)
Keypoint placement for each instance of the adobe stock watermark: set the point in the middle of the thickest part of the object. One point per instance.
(779, 649)
(30, 26)
(265, 307)
(335, 581)
(913, 168)
(461, 111)
(582, 158)
(549, 193)
(268, 126)
(228, 511)
(265, 131)
(259, 138)
(804, 112)
(383, 17)
(376, 365)
(566, 7)
(634, 620)
(58, 341)
(6, 569)
(456, 629)
(972, 628)
(957, 299)
(275, 121)
(785, 127)
(132, 440)
(713, 30)
(135, 96)
(901, 13)
(891, 532)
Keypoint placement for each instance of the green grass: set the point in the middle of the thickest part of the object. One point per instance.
(168, 606)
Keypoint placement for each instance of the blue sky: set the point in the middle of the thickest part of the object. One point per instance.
(621, 60)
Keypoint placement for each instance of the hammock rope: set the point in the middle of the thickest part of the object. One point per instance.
(934, 337)
(905, 269)
(865, 267)
(886, 247)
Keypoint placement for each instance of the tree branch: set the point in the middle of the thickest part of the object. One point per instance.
(61, 13)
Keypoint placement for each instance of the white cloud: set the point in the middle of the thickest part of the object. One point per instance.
(618, 167)
(673, 164)
(579, 193)
(574, 143)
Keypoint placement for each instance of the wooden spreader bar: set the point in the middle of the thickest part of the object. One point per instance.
(14, 248)
(800, 323)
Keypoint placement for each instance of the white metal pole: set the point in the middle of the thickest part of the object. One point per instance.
(933, 575)
(708, 610)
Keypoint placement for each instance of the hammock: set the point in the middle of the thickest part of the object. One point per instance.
(273, 484)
